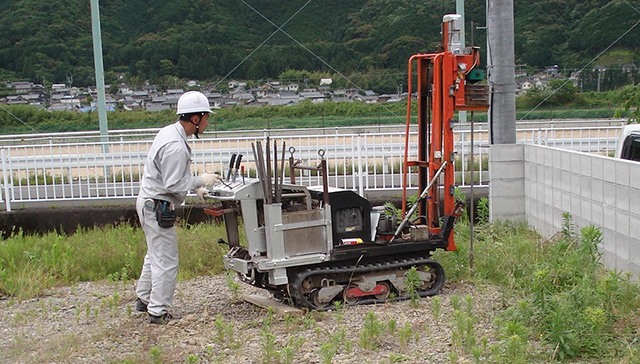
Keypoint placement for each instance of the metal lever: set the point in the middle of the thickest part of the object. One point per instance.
(233, 158)
(423, 195)
(237, 167)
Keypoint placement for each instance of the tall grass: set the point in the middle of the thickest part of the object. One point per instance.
(561, 292)
(30, 264)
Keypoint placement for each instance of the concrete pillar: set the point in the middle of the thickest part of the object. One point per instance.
(501, 71)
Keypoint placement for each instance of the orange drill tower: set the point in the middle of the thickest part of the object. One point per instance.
(446, 82)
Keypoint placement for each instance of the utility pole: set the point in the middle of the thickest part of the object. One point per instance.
(501, 71)
(97, 59)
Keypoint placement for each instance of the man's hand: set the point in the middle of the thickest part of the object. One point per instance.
(209, 179)
(201, 192)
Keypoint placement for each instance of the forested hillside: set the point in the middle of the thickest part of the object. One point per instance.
(160, 40)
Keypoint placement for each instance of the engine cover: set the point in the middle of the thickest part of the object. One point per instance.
(350, 214)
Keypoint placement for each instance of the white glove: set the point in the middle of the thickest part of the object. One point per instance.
(201, 192)
(209, 179)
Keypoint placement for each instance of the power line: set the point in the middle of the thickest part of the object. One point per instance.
(17, 118)
(261, 44)
(631, 6)
(582, 69)
(315, 55)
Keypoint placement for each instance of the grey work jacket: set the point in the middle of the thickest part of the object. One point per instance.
(167, 170)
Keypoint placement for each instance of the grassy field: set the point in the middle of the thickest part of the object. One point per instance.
(561, 295)
(225, 122)
(305, 115)
(30, 264)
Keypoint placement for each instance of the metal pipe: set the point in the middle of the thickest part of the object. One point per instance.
(268, 165)
(284, 146)
(5, 177)
(471, 213)
(325, 182)
(97, 60)
(423, 195)
(265, 177)
(360, 172)
(259, 171)
(275, 170)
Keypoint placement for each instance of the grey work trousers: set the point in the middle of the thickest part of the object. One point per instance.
(157, 281)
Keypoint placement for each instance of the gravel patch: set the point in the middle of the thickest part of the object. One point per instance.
(96, 322)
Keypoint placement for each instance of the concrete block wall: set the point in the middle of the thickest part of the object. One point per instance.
(595, 190)
(506, 189)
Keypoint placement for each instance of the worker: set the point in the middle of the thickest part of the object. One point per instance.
(166, 180)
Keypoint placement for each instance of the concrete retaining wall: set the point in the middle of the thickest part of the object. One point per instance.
(595, 190)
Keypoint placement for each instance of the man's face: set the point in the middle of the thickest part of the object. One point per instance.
(204, 122)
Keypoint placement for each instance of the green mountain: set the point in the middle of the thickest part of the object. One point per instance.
(206, 39)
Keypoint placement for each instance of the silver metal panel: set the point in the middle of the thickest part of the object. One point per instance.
(304, 233)
(235, 264)
(272, 218)
(278, 276)
(266, 265)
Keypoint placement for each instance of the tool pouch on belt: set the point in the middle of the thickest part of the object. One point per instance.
(165, 213)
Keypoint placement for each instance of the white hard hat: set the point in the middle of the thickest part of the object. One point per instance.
(193, 102)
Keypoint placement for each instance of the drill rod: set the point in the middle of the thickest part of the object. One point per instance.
(423, 195)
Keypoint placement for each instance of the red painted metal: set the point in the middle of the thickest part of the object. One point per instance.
(357, 292)
(441, 90)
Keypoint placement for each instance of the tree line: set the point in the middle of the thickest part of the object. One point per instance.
(367, 40)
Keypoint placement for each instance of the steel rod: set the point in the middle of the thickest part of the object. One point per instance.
(259, 170)
(267, 151)
(263, 173)
(284, 147)
(423, 195)
(275, 171)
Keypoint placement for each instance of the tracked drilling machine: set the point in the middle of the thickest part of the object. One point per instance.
(317, 245)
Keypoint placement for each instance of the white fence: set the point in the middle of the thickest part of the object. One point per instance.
(66, 167)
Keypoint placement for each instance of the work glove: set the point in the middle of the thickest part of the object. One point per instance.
(209, 179)
(201, 192)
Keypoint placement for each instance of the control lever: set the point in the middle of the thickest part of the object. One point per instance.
(237, 168)
(233, 158)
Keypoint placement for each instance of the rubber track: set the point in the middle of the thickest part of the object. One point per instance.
(296, 289)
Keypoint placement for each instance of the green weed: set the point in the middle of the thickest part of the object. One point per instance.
(436, 306)
(223, 331)
(574, 302)
(405, 334)
(398, 358)
(233, 286)
(513, 343)
(327, 351)
(463, 332)
(392, 326)
(192, 359)
(156, 355)
(372, 332)
(412, 285)
(483, 210)
(268, 344)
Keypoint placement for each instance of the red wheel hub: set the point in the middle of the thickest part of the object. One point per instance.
(379, 289)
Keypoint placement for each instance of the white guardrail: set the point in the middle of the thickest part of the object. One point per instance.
(78, 166)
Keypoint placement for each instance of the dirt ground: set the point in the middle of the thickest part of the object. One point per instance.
(97, 323)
